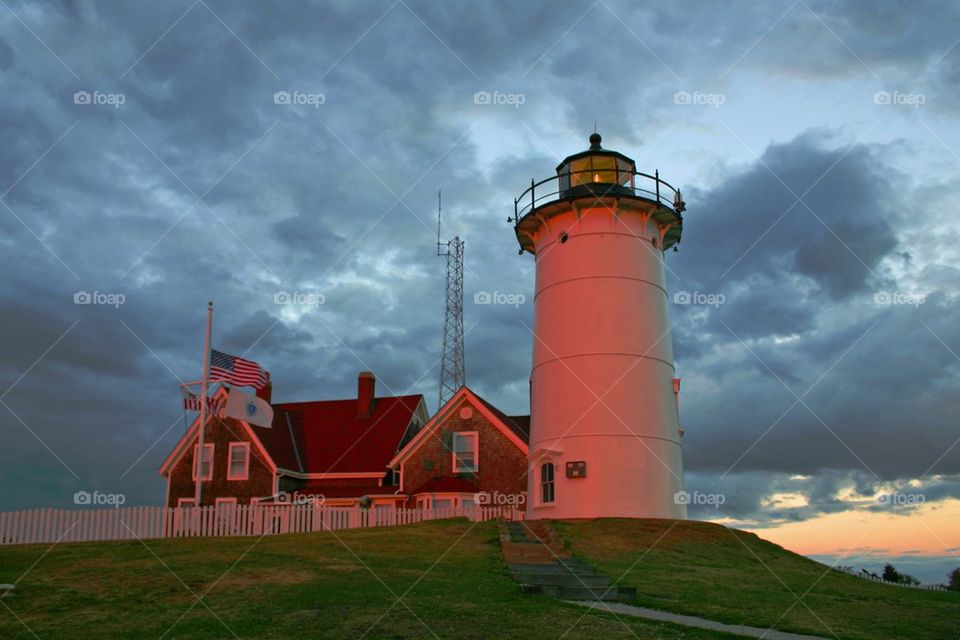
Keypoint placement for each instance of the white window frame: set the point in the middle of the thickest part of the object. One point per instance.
(475, 436)
(198, 464)
(541, 483)
(246, 461)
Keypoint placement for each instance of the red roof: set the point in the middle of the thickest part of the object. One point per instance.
(328, 437)
(279, 441)
(447, 484)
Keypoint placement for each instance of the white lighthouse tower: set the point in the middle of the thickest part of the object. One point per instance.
(605, 437)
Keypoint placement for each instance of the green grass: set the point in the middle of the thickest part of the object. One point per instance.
(710, 571)
(449, 574)
(453, 584)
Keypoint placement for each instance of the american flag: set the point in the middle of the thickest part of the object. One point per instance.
(236, 370)
(191, 402)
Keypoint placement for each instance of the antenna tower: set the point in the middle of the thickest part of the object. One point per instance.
(452, 370)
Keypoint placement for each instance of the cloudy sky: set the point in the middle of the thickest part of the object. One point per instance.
(148, 157)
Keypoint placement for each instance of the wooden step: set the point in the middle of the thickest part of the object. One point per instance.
(555, 568)
(563, 579)
(581, 593)
(540, 563)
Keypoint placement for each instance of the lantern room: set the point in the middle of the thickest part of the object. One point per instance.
(596, 166)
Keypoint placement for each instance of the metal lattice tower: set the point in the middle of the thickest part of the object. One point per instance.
(452, 369)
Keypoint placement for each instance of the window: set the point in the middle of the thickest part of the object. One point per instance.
(239, 466)
(465, 451)
(546, 483)
(207, 462)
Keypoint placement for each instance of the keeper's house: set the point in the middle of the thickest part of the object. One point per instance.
(468, 452)
(381, 452)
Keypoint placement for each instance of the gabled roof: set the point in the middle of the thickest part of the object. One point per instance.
(184, 444)
(328, 437)
(517, 431)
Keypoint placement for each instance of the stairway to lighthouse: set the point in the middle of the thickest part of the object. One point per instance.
(540, 562)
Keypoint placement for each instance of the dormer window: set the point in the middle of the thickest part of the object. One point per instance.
(465, 451)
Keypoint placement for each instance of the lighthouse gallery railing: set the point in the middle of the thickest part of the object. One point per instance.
(569, 183)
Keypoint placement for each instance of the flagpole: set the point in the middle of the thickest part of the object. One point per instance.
(203, 405)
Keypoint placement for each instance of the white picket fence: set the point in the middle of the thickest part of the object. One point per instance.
(71, 525)
(924, 587)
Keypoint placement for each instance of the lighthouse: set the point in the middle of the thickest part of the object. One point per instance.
(605, 436)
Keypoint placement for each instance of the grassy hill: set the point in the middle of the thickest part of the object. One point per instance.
(711, 571)
(452, 584)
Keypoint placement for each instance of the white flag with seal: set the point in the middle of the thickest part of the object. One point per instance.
(252, 409)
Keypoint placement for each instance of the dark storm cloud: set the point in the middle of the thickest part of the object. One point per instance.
(304, 199)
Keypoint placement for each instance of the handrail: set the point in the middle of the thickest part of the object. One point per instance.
(660, 191)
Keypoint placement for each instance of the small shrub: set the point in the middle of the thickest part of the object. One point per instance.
(890, 573)
(954, 580)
